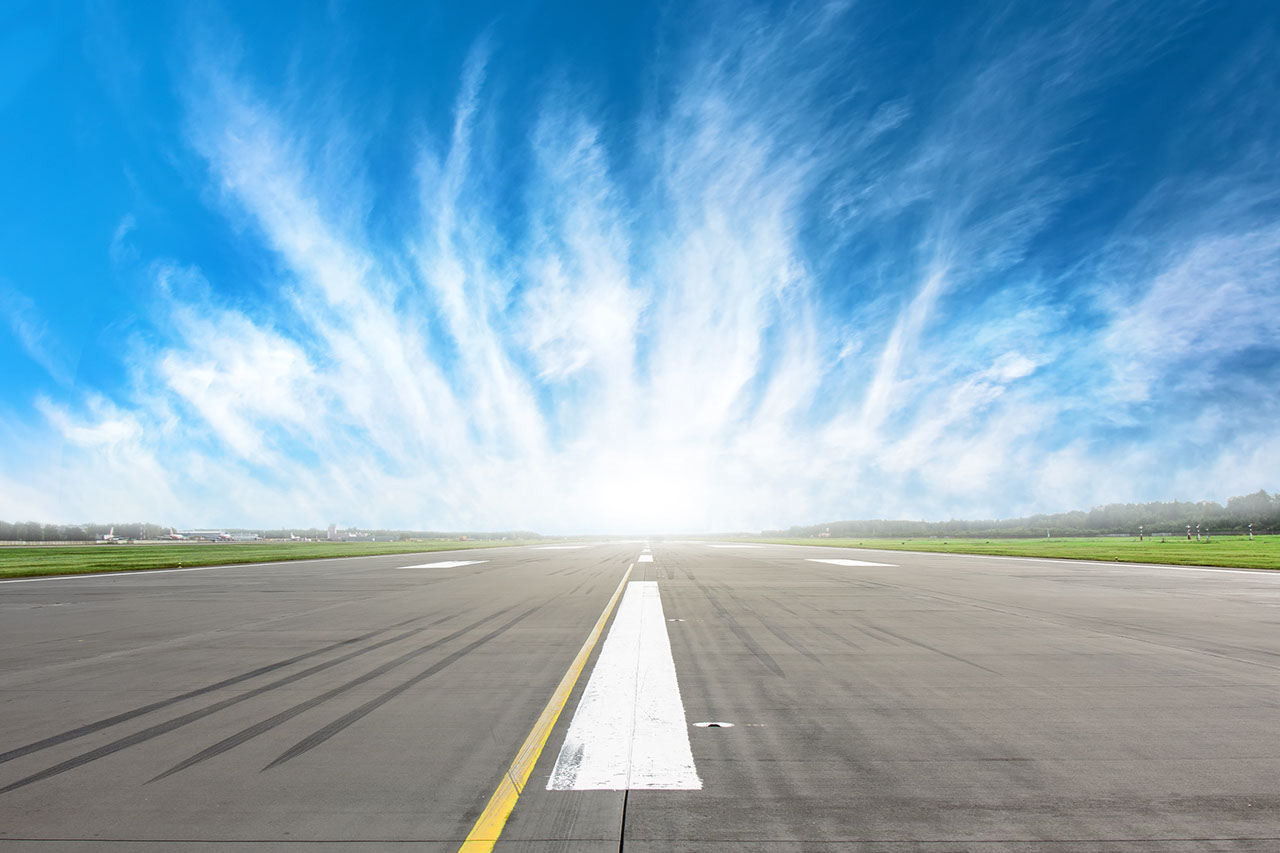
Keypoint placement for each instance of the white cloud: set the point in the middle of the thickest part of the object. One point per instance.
(1217, 297)
(31, 330)
(651, 344)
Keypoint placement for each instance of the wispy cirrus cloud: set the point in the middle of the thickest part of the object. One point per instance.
(783, 291)
(32, 332)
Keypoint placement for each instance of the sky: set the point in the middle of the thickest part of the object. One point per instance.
(587, 268)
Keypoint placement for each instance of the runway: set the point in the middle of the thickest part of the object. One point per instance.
(879, 701)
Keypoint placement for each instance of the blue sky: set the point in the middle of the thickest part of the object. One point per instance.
(620, 267)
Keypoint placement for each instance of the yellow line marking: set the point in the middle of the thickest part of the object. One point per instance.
(494, 817)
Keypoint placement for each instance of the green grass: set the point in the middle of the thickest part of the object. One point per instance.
(24, 561)
(1263, 552)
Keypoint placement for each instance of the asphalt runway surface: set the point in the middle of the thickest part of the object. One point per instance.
(930, 703)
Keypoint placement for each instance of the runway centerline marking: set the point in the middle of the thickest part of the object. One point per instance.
(849, 562)
(629, 731)
(488, 827)
(646, 558)
(446, 564)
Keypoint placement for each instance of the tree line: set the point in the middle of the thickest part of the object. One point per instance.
(1260, 509)
(34, 531)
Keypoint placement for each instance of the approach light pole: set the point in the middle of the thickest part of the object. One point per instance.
(1251, 531)
(1197, 533)
(1188, 532)
(1139, 532)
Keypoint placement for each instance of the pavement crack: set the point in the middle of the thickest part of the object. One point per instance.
(622, 829)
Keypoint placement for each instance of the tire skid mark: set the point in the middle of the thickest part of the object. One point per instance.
(107, 722)
(931, 648)
(773, 629)
(881, 634)
(886, 639)
(791, 641)
(270, 723)
(316, 738)
(743, 636)
(838, 636)
(192, 716)
(781, 606)
(1066, 620)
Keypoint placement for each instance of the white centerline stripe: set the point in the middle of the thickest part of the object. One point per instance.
(645, 558)
(849, 562)
(629, 731)
(447, 564)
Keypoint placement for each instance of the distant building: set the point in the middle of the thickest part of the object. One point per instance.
(333, 533)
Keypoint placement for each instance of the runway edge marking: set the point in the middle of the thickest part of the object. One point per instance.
(1080, 563)
(488, 827)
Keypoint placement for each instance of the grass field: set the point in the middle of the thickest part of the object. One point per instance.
(1263, 552)
(23, 561)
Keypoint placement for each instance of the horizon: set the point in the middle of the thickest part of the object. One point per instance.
(533, 267)
(1273, 499)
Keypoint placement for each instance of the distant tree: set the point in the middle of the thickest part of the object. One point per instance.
(1256, 508)
(1260, 508)
(28, 531)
